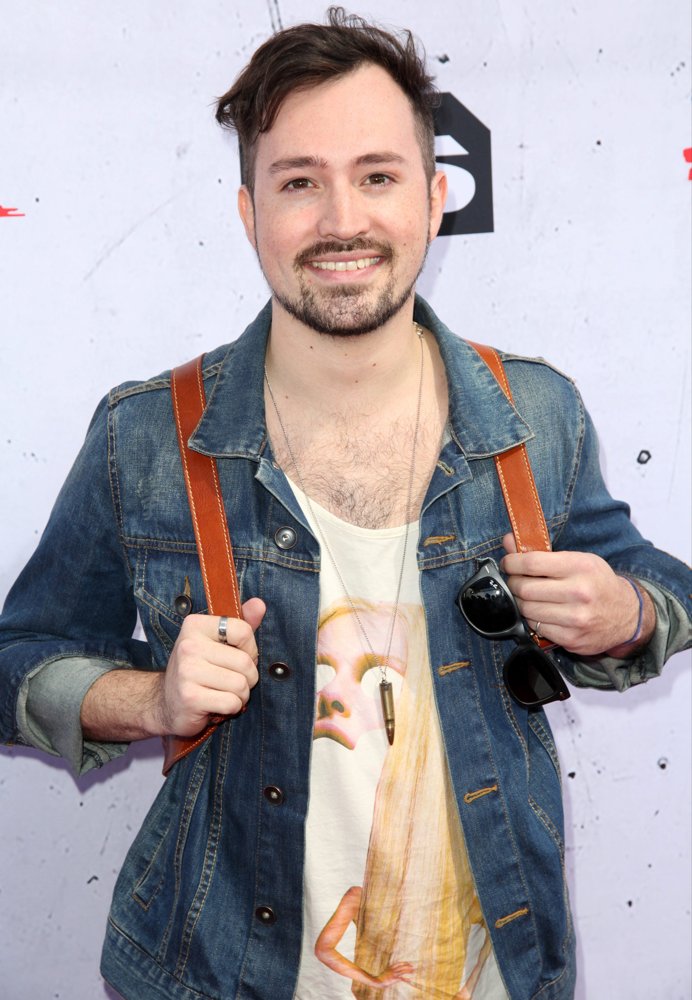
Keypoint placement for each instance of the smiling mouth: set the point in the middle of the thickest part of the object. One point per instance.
(345, 265)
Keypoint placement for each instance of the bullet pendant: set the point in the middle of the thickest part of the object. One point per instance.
(387, 699)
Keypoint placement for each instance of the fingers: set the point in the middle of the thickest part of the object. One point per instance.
(207, 677)
(239, 633)
(253, 612)
(575, 597)
(509, 543)
(206, 689)
(555, 578)
(542, 590)
(402, 968)
(555, 565)
(198, 645)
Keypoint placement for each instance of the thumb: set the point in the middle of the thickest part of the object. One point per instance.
(509, 543)
(253, 612)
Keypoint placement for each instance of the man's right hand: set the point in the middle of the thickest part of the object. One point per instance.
(204, 677)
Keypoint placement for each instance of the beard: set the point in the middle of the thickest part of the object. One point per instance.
(347, 310)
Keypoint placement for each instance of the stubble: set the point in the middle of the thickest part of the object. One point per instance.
(346, 310)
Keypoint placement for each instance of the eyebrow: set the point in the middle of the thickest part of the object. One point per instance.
(373, 159)
(318, 162)
(296, 163)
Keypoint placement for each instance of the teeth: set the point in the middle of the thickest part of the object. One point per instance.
(344, 265)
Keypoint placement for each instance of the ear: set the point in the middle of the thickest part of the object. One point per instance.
(438, 198)
(246, 208)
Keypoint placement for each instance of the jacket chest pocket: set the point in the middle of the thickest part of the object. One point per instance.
(168, 588)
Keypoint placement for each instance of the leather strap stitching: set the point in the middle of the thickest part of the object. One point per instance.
(221, 513)
(190, 492)
(517, 481)
(205, 471)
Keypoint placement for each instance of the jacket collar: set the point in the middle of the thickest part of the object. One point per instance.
(482, 421)
(233, 423)
(481, 418)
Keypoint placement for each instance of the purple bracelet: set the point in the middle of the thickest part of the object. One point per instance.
(640, 616)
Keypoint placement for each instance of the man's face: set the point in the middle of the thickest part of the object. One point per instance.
(342, 212)
(348, 696)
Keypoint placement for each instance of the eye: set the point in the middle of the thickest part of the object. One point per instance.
(370, 682)
(378, 180)
(298, 184)
(325, 674)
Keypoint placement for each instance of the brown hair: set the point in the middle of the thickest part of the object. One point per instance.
(306, 55)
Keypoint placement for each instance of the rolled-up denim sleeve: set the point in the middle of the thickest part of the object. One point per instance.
(673, 633)
(48, 712)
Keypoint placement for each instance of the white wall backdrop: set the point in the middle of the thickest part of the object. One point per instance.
(128, 259)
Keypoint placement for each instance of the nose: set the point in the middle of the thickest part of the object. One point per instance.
(327, 707)
(343, 214)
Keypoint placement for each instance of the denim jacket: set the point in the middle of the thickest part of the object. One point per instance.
(209, 901)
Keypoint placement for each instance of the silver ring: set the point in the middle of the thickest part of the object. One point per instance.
(222, 629)
(537, 630)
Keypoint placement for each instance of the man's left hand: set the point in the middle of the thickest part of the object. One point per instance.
(575, 600)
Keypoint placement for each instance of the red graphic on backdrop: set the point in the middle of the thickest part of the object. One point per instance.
(687, 153)
(10, 213)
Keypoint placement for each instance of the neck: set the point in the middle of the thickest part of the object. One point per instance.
(334, 371)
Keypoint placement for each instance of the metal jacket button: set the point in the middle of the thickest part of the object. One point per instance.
(183, 605)
(265, 915)
(285, 538)
(274, 795)
(279, 671)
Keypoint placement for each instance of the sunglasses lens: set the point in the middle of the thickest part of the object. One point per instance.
(532, 679)
(488, 607)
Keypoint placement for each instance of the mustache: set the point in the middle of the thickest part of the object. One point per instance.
(374, 247)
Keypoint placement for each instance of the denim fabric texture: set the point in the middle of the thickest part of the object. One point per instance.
(186, 920)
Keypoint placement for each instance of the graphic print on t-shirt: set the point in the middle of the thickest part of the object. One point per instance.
(391, 907)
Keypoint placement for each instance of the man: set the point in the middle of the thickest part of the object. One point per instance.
(354, 437)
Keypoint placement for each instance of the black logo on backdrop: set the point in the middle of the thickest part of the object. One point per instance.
(473, 192)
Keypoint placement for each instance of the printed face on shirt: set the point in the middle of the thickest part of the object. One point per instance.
(342, 212)
(348, 677)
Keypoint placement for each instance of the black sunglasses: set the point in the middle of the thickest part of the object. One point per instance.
(488, 605)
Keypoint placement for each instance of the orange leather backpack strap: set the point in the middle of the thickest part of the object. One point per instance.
(209, 523)
(518, 485)
(516, 477)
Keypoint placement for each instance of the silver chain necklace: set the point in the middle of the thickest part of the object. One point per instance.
(386, 693)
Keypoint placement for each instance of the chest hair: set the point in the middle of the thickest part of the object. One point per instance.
(361, 471)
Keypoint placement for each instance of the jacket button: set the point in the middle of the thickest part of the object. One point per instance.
(274, 795)
(285, 538)
(280, 671)
(265, 915)
(183, 605)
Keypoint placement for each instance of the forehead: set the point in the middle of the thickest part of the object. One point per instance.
(342, 119)
(377, 624)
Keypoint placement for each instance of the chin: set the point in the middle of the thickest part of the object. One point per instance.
(344, 313)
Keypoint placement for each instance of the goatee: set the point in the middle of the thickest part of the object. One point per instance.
(346, 310)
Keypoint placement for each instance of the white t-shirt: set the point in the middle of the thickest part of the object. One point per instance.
(388, 892)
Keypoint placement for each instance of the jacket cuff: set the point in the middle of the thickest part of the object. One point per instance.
(48, 712)
(672, 634)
